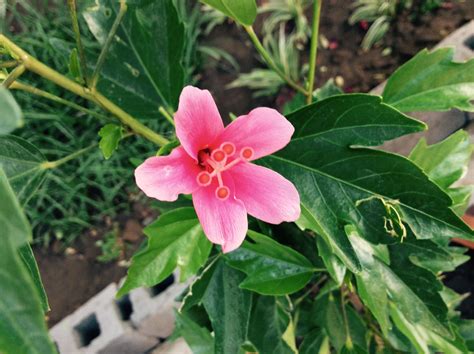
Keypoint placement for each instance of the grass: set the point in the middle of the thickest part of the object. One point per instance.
(85, 191)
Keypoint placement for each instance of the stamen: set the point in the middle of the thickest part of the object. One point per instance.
(222, 193)
(228, 148)
(218, 155)
(246, 153)
(204, 178)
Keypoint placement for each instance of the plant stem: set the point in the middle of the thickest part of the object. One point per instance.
(314, 49)
(54, 164)
(32, 64)
(107, 44)
(36, 91)
(9, 64)
(268, 59)
(165, 114)
(77, 32)
(349, 344)
(15, 74)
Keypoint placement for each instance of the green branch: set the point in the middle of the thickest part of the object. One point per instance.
(77, 32)
(15, 74)
(313, 50)
(33, 65)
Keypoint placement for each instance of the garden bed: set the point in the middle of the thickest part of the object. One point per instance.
(72, 277)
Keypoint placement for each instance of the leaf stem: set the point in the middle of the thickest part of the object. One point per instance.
(107, 44)
(9, 64)
(349, 343)
(15, 74)
(54, 164)
(314, 49)
(268, 59)
(165, 114)
(34, 65)
(77, 32)
(17, 85)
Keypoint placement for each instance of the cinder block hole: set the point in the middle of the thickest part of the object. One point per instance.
(159, 288)
(125, 307)
(469, 42)
(88, 330)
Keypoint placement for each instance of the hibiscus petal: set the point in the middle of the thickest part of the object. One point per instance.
(198, 121)
(263, 129)
(224, 222)
(164, 177)
(267, 195)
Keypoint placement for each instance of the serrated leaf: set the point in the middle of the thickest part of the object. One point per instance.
(22, 326)
(12, 219)
(175, 240)
(110, 134)
(431, 81)
(268, 324)
(445, 163)
(143, 68)
(198, 338)
(242, 11)
(228, 307)
(340, 182)
(22, 163)
(271, 268)
(403, 286)
(11, 117)
(29, 261)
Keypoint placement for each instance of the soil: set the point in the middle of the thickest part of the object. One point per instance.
(71, 279)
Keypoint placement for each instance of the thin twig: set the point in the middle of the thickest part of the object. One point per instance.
(165, 114)
(9, 64)
(17, 85)
(314, 49)
(77, 32)
(107, 44)
(15, 74)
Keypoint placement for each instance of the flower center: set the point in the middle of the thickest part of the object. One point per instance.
(218, 161)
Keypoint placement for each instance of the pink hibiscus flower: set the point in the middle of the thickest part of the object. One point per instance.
(213, 164)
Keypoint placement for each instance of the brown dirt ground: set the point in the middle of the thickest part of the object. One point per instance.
(71, 279)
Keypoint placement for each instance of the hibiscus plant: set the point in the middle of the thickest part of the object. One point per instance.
(295, 233)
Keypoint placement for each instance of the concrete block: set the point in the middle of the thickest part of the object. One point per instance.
(101, 326)
(154, 307)
(178, 346)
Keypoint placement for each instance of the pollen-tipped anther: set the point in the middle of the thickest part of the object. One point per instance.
(246, 153)
(222, 192)
(204, 178)
(228, 148)
(218, 155)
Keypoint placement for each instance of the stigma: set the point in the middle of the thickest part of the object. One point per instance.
(218, 161)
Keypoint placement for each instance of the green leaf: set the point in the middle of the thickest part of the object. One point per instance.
(242, 11)
(431, 81)
(268, 324)
(174, 240)
(340, 182)
(328, 315)
(404, 286)
(22, 163)
(271, 268)
(315, 342)
(228, 307)
(466, 329)
(110, 134)
(10, 112)
(143, 68)
(74, 66)
(28, 259)
(445, 163)
(198, 338)
(12, 219)
(22, 326)
(335, 267)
